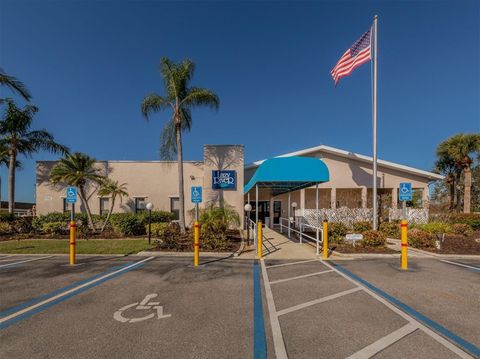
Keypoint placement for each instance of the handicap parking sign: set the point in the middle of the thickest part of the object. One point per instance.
(71, 195)
(405, 192)
(197, 194)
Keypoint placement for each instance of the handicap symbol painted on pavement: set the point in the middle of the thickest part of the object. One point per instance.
(142, 306)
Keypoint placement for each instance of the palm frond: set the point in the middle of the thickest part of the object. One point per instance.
(153, 103)
(197, 96)
(15, 85)
(168, 143)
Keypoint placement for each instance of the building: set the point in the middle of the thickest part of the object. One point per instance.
(222, 174)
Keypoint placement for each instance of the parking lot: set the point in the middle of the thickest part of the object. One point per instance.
(145, 307)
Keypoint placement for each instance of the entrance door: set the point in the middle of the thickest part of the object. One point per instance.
(277, 211)
(263, 210)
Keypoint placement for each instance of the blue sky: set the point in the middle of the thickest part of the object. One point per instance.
(88, 65)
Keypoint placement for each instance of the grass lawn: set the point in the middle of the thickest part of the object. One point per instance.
(92, 246)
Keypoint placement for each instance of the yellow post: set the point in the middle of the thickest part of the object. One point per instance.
(259, 239)
(403, 228)
(72, 242)
(196, 243)
(325, 240)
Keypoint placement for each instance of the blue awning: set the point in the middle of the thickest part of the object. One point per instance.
(286, 174)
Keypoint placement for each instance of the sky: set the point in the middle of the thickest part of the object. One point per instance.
(89, 64)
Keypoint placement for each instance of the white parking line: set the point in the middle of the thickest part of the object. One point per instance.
(301, 276)
(25, 261)
(317, 301)
(291, 263)
(382, 343)
(460, 264)
(65, 293)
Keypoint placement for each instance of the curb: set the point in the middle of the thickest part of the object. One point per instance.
(185, 254)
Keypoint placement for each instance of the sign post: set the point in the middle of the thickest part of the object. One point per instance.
(405, 194)
(196, 194)
(71, 197)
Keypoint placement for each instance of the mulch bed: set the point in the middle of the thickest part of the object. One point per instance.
(459, 245)
(348, 248)
(185, 244)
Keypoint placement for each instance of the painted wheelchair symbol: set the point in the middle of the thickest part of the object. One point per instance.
(145, 304)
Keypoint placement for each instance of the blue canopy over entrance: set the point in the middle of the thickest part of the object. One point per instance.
(286, 174)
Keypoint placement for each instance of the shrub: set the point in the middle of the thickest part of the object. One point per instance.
(168, 235)
(6, 217)
(127, 224)
(213, 238)
(55, 228)
(22, 225)
(434, 227)
(337, 232)
(418, 238)
(157, 217)
(158, 229)
(374, 239)
(215, 223)
(462, 229)
(5, 228)
(360, 227)
(472, 219)
(390, 229)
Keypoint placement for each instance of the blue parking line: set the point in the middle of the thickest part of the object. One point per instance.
(61, 299)
(259, 343)
(462, 343)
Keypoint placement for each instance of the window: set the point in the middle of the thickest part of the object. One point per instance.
(104, 205)
(175, 207)
(139, 204)
(66, 205)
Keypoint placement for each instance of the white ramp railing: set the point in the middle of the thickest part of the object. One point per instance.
(303, 230)
(252, 229)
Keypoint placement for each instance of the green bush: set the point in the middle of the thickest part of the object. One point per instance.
(157, 217)
(168, 235)
(374, 239)
(360, 227)
(127, 224)
(472, 219)
(434, 227)
(22, 225)
(5, 228)
(418, 238)
(337, 232)
(6, 217)
(215, 222)
(55, 228)
(390, 229)
(158, 229)
(462, 229)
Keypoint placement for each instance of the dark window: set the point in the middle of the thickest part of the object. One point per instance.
(104, 205)
(175, 207)
(139, 205)
(66, 205)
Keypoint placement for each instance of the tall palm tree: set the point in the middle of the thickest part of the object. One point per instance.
(78, 169)
(17, 137)
(461, 148)
(14, 84)
(446, 165)
(181, 99)
(113, 189)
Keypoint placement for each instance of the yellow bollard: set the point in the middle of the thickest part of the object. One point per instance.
(196, 243)
(259, 239)
(325, 240)
(403, 228)
(72, 242)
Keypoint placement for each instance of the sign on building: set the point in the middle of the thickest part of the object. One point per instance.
(405, 192)
(224, 179)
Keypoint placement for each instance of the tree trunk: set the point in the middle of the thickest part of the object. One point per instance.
(108, 215)
(11, 181)
(181, 196)
(451, 184)
(81, 193)
(468, 190)
(457, 191)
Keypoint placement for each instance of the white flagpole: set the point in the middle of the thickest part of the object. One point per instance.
(375, 204)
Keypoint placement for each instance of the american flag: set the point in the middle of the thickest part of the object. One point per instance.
(358, 54)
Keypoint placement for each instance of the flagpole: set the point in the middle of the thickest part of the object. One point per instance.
(375, 204)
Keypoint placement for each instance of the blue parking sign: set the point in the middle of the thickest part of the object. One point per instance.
(71, 195)
(405, 191)
(197, 194)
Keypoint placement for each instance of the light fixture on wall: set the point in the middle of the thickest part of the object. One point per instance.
(192, 177)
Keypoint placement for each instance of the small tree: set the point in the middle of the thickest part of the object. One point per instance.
(113, 189)
(78, 169)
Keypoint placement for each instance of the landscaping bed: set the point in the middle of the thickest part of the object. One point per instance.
(455, 244)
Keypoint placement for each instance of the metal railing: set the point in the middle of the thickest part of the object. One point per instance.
(299, 227)
(252, 229)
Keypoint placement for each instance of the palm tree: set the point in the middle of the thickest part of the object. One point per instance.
(181, 99)
(461, 148)
(78, 169)
(446, 165)
(113, 189)
(14, 84)
(17, 138)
